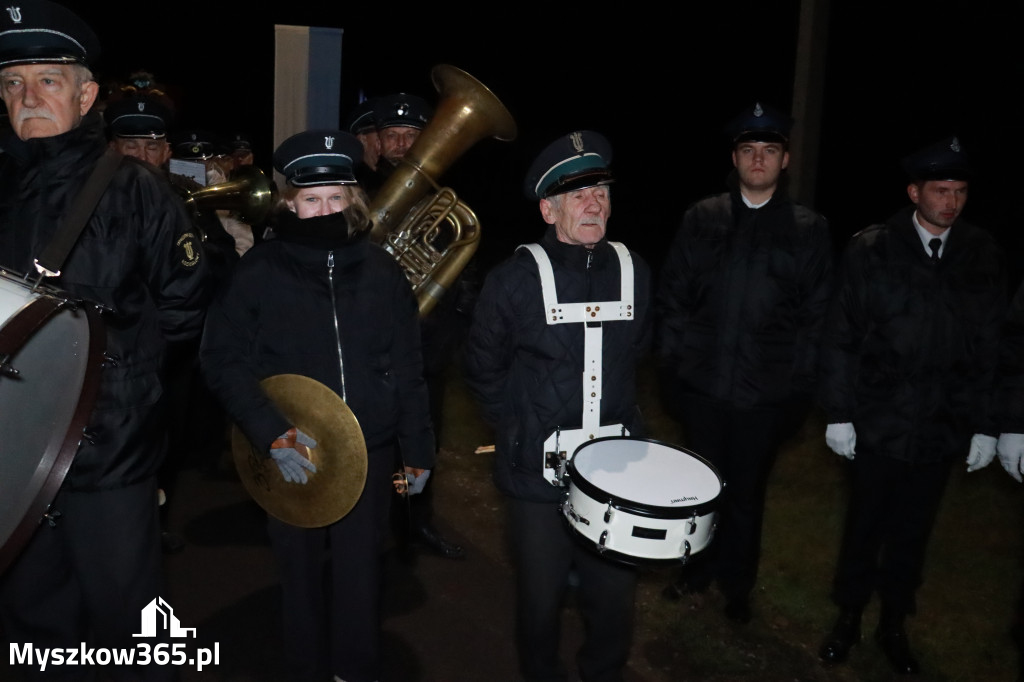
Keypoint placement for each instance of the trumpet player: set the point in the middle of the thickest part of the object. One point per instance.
(320, 300)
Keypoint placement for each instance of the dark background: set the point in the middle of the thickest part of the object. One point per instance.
(659, 82)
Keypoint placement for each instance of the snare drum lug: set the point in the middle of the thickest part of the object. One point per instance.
(91, 435)
(608, 513)
(600, 543)
(52, 516)
(691, 525)
(686, 551)
(111, 360)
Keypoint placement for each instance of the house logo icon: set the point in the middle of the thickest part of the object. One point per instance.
(158, 616)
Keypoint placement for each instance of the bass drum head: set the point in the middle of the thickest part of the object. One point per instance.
(56, 352)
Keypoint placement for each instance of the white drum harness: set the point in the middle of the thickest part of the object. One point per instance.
(563, 442)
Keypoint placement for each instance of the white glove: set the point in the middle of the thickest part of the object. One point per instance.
(417, 483)
(983, 451)
(1010, 448)
(291, 453)
(841, 438)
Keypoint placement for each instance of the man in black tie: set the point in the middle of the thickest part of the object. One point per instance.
(908, 358)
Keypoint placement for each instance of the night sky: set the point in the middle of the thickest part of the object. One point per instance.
(659, 83)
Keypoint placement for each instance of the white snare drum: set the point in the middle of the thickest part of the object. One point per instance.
(51, 353)
(641, 500)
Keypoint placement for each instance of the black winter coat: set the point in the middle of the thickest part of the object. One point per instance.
(275, 316)
(527, 375)
(741, 300)
(137, 256)
(909, 350)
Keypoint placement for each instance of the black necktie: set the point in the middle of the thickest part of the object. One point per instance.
(935, 244)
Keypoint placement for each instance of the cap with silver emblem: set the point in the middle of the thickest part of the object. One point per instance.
(138, 116)
(43, 32)
(401, 109)
(759, 123)
(942, 160)
(318, 157)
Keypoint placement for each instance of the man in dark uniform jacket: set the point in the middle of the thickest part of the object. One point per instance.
(908, 361)
(85, 580)
(527, 372)
(741, 298)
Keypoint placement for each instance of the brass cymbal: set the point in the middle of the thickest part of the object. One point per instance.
(339, 455)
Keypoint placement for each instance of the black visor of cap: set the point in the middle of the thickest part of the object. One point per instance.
(312, 176)
(590, 178)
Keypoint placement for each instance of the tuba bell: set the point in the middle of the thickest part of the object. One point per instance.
(425, 227)
(247, 192)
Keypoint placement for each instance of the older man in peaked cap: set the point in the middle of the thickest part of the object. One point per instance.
(908, 362)
(527, 372)
(84, 580)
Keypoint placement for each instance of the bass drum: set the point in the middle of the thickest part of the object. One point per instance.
(641, 501)
(51, 355)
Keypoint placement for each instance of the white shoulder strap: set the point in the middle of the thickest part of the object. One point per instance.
(600, 311)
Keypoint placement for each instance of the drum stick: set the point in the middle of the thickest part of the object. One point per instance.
(484, 450)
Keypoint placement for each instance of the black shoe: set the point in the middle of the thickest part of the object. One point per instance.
(171, 543)
(896, 647)
(430, 538)
(738, 610)
(845, 633)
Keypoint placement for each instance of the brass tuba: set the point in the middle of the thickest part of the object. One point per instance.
(433, 236)
(247, 192)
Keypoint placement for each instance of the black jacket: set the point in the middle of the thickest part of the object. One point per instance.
(137, 256)
(909, 349)
(741, 299)
(275, 316)
(527, 375)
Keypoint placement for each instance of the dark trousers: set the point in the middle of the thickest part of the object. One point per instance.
(545, 552)
(741, 444)
(330, 585)
(891, 513)
(87, 579)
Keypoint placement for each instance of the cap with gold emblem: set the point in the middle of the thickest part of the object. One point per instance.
(942, 160)
(318, 157)
(578, 160)
(43, 32)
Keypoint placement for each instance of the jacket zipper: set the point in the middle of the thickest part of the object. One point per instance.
(337, 328)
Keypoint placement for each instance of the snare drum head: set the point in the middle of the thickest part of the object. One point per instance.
(646, 472)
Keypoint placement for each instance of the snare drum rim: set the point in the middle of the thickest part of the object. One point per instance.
(640, 508)
(57, 459)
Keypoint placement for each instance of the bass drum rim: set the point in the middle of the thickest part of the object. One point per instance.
(59, 454)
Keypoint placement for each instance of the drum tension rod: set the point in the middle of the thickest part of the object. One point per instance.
(6, 369)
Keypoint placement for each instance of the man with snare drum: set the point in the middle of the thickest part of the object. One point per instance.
(526, 368)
